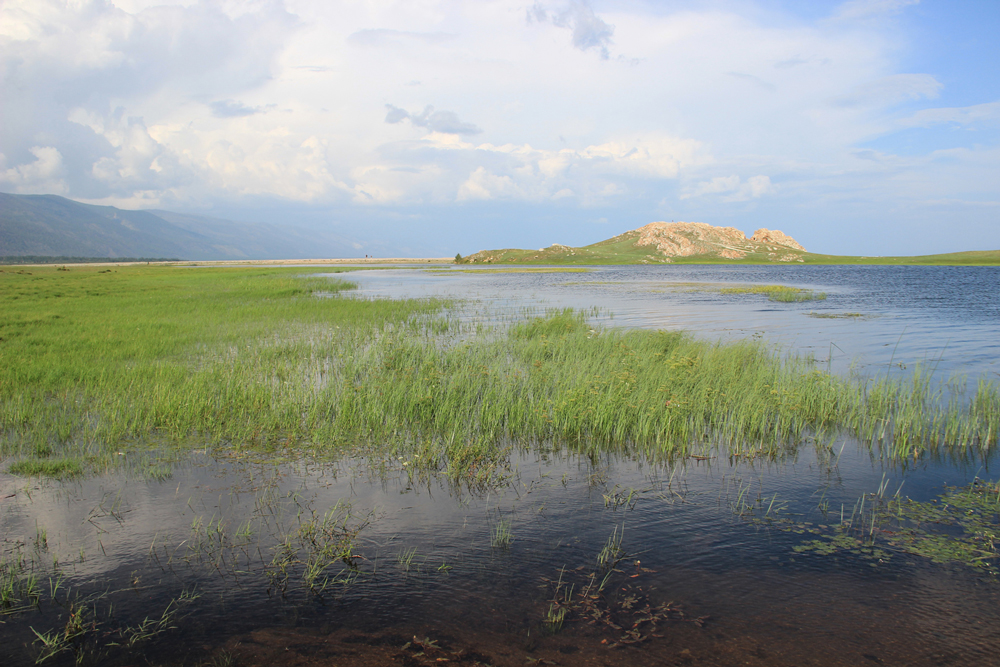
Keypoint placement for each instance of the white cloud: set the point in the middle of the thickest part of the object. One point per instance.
(892, 89)
(446, 122)
(960, 115)
(484, 185)
(734, 188)
(519, 171)
(588, 30)
(43, 174)
(866, 9)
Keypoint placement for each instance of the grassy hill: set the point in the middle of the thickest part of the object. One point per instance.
(628, 248)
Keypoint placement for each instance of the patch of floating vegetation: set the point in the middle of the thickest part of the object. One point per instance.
(959, 526)
(780, 293)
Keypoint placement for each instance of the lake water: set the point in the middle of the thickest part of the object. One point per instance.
(708, 560)
(941, 316)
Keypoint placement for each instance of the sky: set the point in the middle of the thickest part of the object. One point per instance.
(430, 127)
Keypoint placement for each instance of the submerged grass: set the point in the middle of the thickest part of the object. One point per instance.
(959, 526)
(93, 364)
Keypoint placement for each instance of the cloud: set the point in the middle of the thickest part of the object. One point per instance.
(890, 90)
(75, 73)
(41, 176)
(383, 37)
(444, 168)
(756, 80)
(232, 109)
(859, 10)
(588, 29)
(446, 122)
(481, 184)
(149, 98)
(734, 189)
(960, 115)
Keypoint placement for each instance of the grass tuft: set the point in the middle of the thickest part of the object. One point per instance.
(59, 468)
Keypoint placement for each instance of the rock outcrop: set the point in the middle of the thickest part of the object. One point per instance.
(683, 239)
(775, 237)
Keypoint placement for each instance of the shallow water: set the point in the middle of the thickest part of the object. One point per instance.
(219, 549)
(427, 564)
(947, 318)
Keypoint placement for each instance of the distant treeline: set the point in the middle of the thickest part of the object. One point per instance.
(45, 259)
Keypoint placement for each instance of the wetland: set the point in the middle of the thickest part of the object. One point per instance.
(625, 466)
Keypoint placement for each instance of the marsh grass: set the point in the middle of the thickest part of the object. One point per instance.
(780, 293)
(93, 366)
(501, 535)
(841, 316)
(59, 468)
(612, 553)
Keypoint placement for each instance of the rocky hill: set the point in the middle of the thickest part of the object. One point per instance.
(661, 242)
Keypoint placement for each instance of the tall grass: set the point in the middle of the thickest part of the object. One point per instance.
(254, 358)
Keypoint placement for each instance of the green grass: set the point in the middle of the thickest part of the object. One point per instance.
(781, 293)
(501, 535)
(35, 467)
(95, 364)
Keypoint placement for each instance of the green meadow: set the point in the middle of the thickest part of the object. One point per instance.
(96, 363)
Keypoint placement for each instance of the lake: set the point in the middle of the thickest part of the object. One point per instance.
(714, 559)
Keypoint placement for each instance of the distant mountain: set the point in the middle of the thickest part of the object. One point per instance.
(661, 242)
(56, 226)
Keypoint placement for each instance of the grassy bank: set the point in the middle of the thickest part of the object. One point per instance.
(97, 362)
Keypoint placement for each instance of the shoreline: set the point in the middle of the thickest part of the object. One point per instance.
(260, 262)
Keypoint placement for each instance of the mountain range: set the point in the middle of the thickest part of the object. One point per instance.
(49, 225)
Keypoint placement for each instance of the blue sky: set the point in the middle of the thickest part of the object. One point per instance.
(430, 127)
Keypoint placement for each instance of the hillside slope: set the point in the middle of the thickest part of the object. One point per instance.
(56, 226)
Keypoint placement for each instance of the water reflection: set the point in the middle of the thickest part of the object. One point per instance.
(292, 563)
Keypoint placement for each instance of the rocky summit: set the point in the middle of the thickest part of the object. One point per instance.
(684, 239)
(661, 242)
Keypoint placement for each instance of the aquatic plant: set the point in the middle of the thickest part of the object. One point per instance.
(781, 293)
(958, 526)
(500, 534)
(405, 559)
(612, 553)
